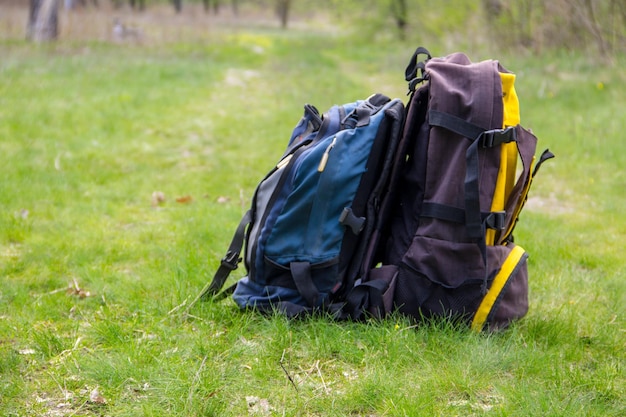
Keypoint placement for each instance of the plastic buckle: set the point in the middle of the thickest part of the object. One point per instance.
(349, 219)
(231, 260)
(491, 138)
(496, 220)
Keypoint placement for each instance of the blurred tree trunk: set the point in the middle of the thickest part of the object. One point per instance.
(595, 28)
(178, 5)
(399, 12)
(282, 8)
(43, 20)
(619, 7)
(211, 4)
(526, 23)
(139, 4)
(493, 8)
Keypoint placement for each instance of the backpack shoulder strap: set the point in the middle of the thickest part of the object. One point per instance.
(229, 262)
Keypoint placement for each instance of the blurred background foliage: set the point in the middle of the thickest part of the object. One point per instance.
(597, 27)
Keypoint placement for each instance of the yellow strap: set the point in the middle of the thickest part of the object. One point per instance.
(498, 284)
(511, 118)
(508, 156)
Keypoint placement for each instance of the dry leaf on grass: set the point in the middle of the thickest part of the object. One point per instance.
(95, 397)
(74, 289)
(186, 199)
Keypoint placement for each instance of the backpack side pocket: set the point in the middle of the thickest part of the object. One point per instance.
(507, 298)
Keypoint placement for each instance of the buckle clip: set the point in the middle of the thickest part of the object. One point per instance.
(496, 220)
(491, 138)
(231, 260)
(349, 219)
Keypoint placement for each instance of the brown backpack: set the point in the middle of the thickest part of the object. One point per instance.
(443, 245)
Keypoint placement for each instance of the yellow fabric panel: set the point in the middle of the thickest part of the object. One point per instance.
(508, 156)
(511, 118)
(510, 100)
(498, 284)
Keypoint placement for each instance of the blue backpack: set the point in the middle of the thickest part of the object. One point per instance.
(311, 216)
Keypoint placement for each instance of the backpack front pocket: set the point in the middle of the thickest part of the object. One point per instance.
(433, 282)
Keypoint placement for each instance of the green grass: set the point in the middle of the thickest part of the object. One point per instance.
(93, 276)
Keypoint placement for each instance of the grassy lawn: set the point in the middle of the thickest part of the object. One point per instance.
(126, 167)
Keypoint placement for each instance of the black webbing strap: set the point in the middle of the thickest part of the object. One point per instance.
(414, 63)
(301, 273)
(454, 124)
(492, 220)
(473, 223)
(485, 138)
(543, 158)
(229, 262)
(366, 297)
(443, 212)
(415, 72)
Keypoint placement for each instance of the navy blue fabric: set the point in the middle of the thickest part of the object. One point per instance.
(301, 223)
(250, 294)
(333, 124)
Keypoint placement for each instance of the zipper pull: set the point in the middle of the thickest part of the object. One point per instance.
(283, 162)
(324, 160)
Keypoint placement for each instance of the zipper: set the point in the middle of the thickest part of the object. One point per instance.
(324, 160)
